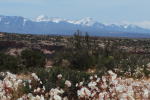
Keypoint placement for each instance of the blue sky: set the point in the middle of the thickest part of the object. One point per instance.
(106, 11)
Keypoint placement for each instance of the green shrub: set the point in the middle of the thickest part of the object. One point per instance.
(2, 77)
(26, 89)
(32, 59)
(50, 80)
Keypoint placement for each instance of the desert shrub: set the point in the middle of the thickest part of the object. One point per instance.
(45, 77)
(81, 59)
(10, 63)
(13, 64)
(101, 70)
(24, 70)
(26, 89)
(106, 62)
(2, 58)
(120, 73)
(79, 56)
(146, 70)
(134, 64)
(50, 80)
(32, 59)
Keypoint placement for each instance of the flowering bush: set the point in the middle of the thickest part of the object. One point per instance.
(12, 88)
(107, 87)
(111, 87)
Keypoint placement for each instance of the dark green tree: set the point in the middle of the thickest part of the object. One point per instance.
(78, 39)
(87, 39)
(2, 58)
(32, 59)
(13, 64)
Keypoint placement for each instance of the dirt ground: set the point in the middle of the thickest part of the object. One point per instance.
(48, 64)
(23, 76)
(12, 50)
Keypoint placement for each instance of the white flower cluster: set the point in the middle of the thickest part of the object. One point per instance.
(68, 83)
(54, 94)
(31, 97)
(112, 88)
(9, 85)
(10, 88)
(109, 87)
(59, 76)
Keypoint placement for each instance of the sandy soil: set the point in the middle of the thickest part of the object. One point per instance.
(23, 76)
(46, 51)
(49, 64)
(11, 52)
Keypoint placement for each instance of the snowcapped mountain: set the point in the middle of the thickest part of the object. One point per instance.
(56, 25)
(57, 19)
(84, 22)
(90, 22)
(41, 18)
(125, 24)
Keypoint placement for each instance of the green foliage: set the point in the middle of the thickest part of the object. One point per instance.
(50, 80)
(32, 59)
(10, 63)
(78, 39)
(81, 59)
(79, 56)
(26, 89)
(45, 77)
(34, 85)
(87, 40)
(2, 58)
(13, 64)
(2, 77)
(106, 62)
(135, 63)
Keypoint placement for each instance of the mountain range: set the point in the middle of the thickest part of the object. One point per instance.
(61, 26)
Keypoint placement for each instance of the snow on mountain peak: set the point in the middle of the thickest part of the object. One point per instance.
(24, 21)
(58, 19)
(41, 18)
(90, 22)
(84, 22)
(81, 23)
(88, 19)
(125, 24)
(143, 24)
